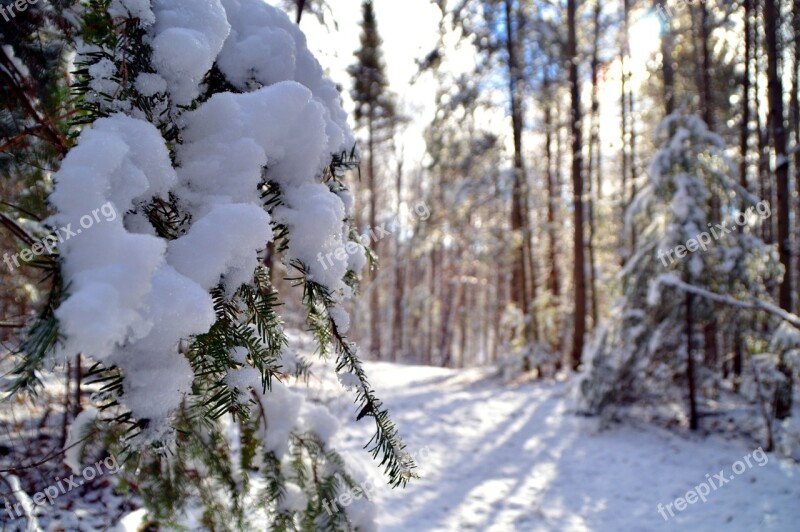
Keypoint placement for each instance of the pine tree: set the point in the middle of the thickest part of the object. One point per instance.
(202, 160)
(579, 262)
(374, 111)
(652, 343)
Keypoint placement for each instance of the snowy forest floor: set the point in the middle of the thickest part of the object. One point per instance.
(515, 458)
(495, 456)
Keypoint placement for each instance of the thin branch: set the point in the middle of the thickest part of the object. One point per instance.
(14, 470)
(752, 304)
(301, 6)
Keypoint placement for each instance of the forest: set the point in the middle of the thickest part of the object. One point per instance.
(399, 265)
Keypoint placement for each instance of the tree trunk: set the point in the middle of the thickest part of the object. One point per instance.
(778, 125)
(745, 127)
(795, 113)
(579, 274)
(623, 244)
(519, 280)
(693, 418)
(772, 24)
(705, 89)
(399, 280)
(77, 406)
(765, 186)
(667, 68)
(553, 199)
(744, 149)
(594, 144)
(374, 313)
(632, 125)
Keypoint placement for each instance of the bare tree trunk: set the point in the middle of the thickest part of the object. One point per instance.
(690, 373)
(594, 144)
(744, 149)
(434, 291)
(579, 273)
(553, 200)
(783, 398)
(745, 127)
(624, 118)
(450, 313)
(764, 178)
(399, 281)
(77, 407)
(519, 279)
(65, 420)
(778, 125)
(374, 306)
(632, 125)
(667, 68)
(795, 113)
(705, 89)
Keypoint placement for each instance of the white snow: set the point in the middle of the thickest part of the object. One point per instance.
(188, 36)
(222, 246)
(150, 84)
(132, 295)
(132, 8)
(285, 410)
(316, 216)
(502, 457)
(266, 47)
(77, 431)
(126, 306)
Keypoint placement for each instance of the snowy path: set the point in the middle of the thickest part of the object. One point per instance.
(507, 458)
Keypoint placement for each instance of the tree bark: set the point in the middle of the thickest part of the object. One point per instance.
(667, 68)
(579, 274)
(745, 126)
(744, 149)
(519, 223)
(553, 199)
(783, 399)
(623, 244)
(795, 113)
(399, 280)
(693, 418)
(778, 125)
(374, 305)
(594, 144)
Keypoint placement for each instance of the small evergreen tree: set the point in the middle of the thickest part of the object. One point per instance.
(375, 111)
(652, 349)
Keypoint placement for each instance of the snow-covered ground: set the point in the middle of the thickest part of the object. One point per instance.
(495, 456)
(505, 457)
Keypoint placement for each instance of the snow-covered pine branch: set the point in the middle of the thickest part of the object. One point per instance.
(751, 303)
(208, 130)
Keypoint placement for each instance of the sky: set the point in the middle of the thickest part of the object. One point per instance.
(409, 29)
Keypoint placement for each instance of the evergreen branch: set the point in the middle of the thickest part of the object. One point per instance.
(399, 466)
